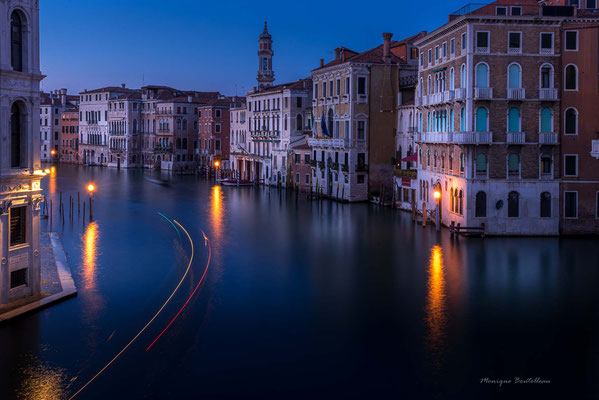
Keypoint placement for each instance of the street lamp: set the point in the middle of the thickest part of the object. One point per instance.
(437, 196)
(90, 189)
(216, 165)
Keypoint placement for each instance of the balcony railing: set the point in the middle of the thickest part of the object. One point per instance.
(455, 137)
(328, 142)
(362, 168)
(448, 95)
(547, 138)
(516, 94)
(405, 173)
(548, 94)
(514, 50)
(595, 148)
(483, 50)
(460, 93)
(435, 98)
(483, 93)
(516, 138)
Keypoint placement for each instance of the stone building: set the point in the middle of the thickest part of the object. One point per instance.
(489, 118)
(20, 173)
(215, 131)
(354, 105)
(239, 140)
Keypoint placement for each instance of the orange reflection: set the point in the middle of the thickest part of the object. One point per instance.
(90, 255)
(52, 182)
(43, 382)
(435, 309)
(216, 212)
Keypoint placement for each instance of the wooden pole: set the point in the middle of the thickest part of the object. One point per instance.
(50, 212)
(91, 214)
(60, 205)
(84, 212)
(78, 205)
(423, 214)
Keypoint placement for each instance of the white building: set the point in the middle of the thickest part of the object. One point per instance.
(239, 140)
(93, 124)
(20, 174)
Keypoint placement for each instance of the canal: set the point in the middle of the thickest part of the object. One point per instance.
(301, 299)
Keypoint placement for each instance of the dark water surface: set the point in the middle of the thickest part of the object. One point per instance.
(302, 300)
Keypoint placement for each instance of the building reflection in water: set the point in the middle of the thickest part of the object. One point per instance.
(94, 301)
(436, 312)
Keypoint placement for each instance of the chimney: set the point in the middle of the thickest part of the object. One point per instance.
(123, 85)
(387, 47)
(321, 62)
(63, 97)
(337, 51)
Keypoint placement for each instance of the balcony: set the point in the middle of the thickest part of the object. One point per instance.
(548, 94)
(418, 101)
(460, 93)
(547, 138)
(456, 137)
(514, 50)
(448, 95)
(516, 138)
(328, 142)
(482, 50)
(435, 98)
(595, 149)
(483, 93)
(516, 94)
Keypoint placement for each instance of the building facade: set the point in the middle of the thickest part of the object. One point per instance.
(20, 167)
(68, 149)
(240, 140)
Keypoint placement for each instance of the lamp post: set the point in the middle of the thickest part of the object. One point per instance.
(217, 165)
(437, 196)
(90, 190)
(53, 154)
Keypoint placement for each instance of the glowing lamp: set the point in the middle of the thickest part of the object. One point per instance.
(437, 194)
(47, 170)
(217, 164)
(53, 152)
(91, 188)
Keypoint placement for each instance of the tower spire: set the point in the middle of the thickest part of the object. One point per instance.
(266, 75)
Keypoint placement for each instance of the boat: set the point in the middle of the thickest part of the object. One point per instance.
(235, 182)
(161, 182)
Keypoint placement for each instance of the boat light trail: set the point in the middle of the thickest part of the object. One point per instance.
(207, 244)
(150, 321)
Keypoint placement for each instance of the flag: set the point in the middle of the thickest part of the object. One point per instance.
(323, 126)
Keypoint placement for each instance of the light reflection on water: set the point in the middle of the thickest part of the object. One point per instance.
(42, 382)
(436, 316)
(90, 253)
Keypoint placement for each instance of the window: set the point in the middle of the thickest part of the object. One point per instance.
(501, 11)
(361, 128)
(217, 113)
(482, 75)
(513, 165)
(516, 10)
(452, 46)
(436, 53)
(299, 121)
(481, 119)
(16, 41)
(571, 122)
(430, 56)
(591, 4)
(362, 86)
(16, 137)
(451, 79)
(463, 76)
(571, 77)
(514, 76)
(513, 205)
(514, 120)
(482, 42)
(481, 205)
(347, 85)
(414, 53)
(464, 41)
(481, 165)
(571, 204)
(514, 42)
(546, 120)
(570, 165)
(546, 43)
(546, 76)
(445, 49)
(545, 205)
(18, 225)
(571, 40)
(546, 162)
(337, 91)
(18, 278)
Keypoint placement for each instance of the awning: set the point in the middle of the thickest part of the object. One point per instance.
(411, 158)
(439, 69)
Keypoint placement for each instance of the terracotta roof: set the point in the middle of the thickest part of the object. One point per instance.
(116, 89)
(134, 95)
(305, 83)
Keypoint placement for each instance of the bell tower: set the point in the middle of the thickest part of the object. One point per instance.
(266, 75)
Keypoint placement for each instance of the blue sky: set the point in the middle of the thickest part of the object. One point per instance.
(197, 45)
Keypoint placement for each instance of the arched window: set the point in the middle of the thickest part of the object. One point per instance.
(571, 121)
(154, 126)
(513, 124)
(545, 205)
(513, 205)
(482, 76)
(546, 123)
(299, 122)
(514, 76)
(451, 79)
(463, 76)
(546, 76)
(16, 137)
(481, 205)
(481, 164)
(16, 41)
(481, 119)
(513, 165)
(330, 122)
(451, 121)
(546, 162)
(429, 85)
(461, 202)
(451, 200)
(463, 119)
(571, 78)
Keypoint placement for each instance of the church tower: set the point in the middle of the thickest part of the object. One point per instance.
(266, 75)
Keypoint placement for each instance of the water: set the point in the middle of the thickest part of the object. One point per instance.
(302, 300)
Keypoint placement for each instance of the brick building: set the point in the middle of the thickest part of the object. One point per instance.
(69, 136)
